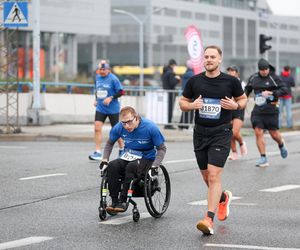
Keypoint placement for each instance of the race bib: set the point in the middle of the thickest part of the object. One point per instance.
(211, 108)
(101, 93)
(131, 155)
(260, 100)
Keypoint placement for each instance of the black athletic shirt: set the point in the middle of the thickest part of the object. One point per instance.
(258, 84)
(212, 91)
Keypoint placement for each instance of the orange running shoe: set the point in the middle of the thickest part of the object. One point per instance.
(206, 226)
(223, 210)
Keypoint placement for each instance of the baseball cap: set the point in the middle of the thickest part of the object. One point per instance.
(263, 64)
(233, 68)
(103, 65)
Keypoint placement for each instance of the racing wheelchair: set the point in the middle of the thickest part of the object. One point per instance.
(154, 185)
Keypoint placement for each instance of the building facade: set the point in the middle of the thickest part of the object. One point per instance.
(75, 34)
(234, 25)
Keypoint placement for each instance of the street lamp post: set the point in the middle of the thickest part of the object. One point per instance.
(141, 23)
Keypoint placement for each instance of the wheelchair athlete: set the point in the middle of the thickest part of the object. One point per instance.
(144, 147)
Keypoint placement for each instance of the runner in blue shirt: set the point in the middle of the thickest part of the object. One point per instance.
(144, 147)
(107, 91)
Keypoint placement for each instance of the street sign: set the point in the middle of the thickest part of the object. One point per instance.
(15, 14)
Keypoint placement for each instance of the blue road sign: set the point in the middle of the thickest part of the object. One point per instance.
(15, 14)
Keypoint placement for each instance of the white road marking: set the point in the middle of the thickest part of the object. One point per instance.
(243, 204)
(23, 242)
(41, 176)
(178, 161)
(204, 202)
(13, 147)
(280, 188)
(123, 220)
(248, 247)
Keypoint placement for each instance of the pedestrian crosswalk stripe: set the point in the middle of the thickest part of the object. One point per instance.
(280, 188)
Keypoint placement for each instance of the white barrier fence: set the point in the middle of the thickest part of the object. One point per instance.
(79, 108)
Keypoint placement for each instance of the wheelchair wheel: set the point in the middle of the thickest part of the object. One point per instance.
(105, 199)
(102, 213)
(157, 192)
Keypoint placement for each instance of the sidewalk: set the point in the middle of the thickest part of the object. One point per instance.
(79, 132)
(85, 132)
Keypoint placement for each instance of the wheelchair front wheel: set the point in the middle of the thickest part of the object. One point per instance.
(135, 215)
(157, 191)
(102, 213)
(105, 199)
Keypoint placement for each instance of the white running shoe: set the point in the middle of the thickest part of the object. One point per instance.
(244, 150)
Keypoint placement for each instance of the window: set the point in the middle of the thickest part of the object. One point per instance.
(200, 16)
(170, 30)
(214, 34)
(185, 14)
(170, 12)
(214, 18)
(294, 27)
(294, 41)
(156, 29)
(227, 35)
(283, 27)
(283, 40)
(240, 37)
(263, 24)
(252, 38)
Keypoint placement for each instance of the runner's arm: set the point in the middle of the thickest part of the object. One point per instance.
(160, 154)
(187, 104)
(107, 150)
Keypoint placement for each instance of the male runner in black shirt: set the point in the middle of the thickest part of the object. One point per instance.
(213, 95)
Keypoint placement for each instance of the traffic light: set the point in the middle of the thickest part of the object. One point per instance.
(262, 43)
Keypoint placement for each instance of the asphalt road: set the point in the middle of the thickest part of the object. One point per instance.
(50, 197)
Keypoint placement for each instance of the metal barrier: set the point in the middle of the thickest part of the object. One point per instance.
(159, 105)
(20, 85)
(69, 85)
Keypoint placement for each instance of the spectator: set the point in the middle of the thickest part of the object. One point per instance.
(186, 117)
(286, 100)
(170, 80)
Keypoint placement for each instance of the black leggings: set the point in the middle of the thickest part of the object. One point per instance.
(127, 170)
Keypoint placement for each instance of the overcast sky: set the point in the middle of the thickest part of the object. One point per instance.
(285, 7)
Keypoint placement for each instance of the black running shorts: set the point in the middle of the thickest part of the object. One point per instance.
(238, 114)
(265, 121)
(212, 145)
(113, 118)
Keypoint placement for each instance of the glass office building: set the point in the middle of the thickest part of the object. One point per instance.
(75, 34)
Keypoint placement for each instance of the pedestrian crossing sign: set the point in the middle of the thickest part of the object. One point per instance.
(15, 14)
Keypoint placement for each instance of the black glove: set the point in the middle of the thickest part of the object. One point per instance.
(103, 164)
